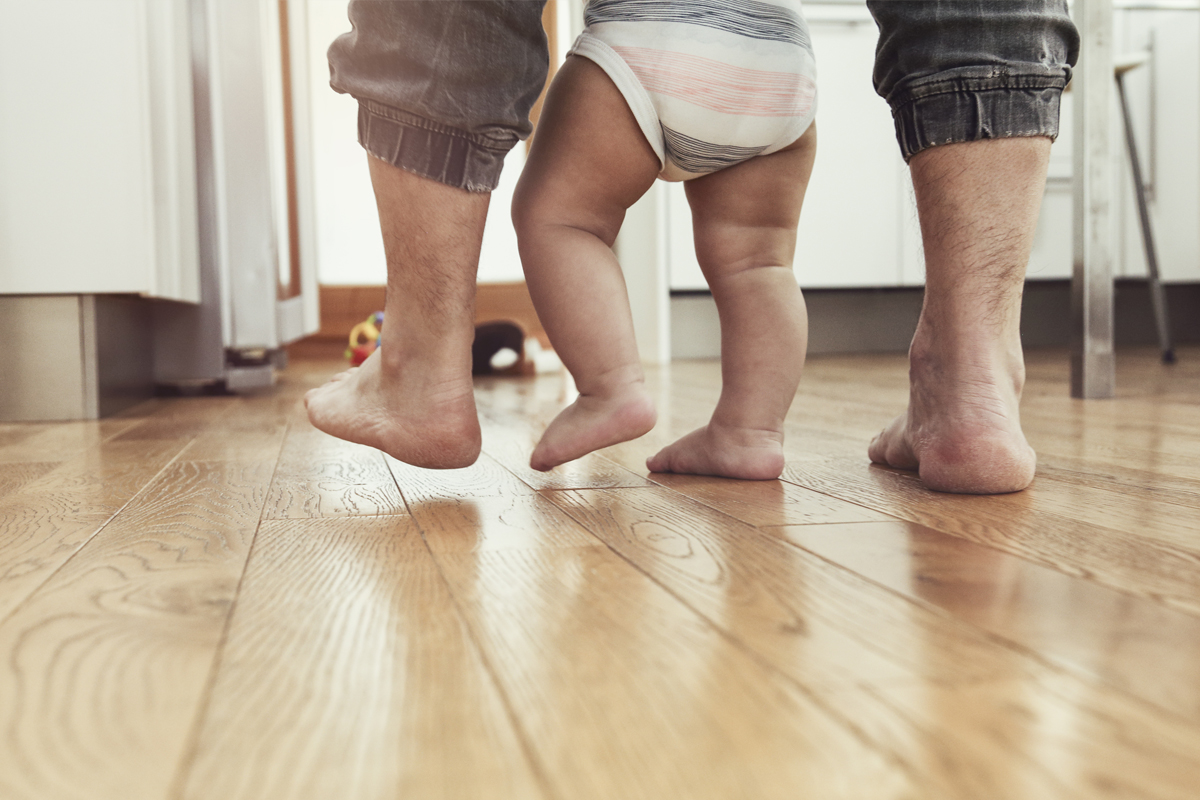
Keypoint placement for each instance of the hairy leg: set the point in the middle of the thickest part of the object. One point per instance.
(745, 221)
(589, 163)
(413, 398)
(978, 205)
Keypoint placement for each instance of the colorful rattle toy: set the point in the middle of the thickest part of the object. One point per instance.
(364, 338)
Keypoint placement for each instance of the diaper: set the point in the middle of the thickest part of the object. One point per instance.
(711, 82)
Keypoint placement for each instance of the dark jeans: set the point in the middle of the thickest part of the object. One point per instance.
(445, 86)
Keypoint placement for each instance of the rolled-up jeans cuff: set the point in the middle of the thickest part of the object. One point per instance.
(470, 161)
(963, 110)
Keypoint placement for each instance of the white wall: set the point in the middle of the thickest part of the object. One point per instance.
(349, 245)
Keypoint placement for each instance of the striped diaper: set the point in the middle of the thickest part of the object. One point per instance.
(710, 82)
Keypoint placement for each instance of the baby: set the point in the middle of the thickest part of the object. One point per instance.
(717, 94)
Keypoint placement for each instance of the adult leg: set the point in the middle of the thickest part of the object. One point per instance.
(413, 397)
(589, 163)
(745, 220)
(974, 90)
(444, 90)
(978, 204)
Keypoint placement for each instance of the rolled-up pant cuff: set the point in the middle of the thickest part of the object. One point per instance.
(966, 110)
(470, 161)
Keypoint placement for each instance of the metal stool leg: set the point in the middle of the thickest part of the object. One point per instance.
(1157, 298)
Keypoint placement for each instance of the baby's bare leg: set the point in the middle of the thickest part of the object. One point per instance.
(745, 221)
(588, 164)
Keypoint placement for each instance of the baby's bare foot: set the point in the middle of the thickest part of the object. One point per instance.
(962, 431)
(591, 423)
(415, 419)
(755, 455)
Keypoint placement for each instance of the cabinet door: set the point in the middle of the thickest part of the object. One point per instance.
(97, 174)
(854, 230)
(1163, 97)
(858, 227)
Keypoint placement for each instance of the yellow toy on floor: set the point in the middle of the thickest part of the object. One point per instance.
(364, 338)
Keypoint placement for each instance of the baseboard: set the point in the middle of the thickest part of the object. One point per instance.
(883, 320)
(840, 320)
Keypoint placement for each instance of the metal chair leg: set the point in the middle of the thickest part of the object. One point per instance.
(1157, 298)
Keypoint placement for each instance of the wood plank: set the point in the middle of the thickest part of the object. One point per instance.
(527, 522)
(223, 445)
(106, 664)
(252, 429)
(852, 398)
(482, 507)
(320, 476)
(347, 673)
(1122, 559)
(50, 518)
(15, 475)
(1124, 481)
(766, 502)
(820, 625)
(58, 441)
(183, 419)
(485, 478)
(1136, 645)
(510, 441)
(623, 692)
(1053, 737)
(1011, 743)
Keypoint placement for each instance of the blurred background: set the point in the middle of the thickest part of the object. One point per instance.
(182, 198)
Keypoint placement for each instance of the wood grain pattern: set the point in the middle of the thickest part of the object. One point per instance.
(14, 476)
(1050, 736)
(1143, 648)
(498, 633)
(107, 663)
(347, 673)
(1119, 480)
(511, 444)
(1135, 564)
(46, 521)
(183, 419)
(485, 478)
(31, 442)
(320, 476)
(819, 625)
(767, 502)
(527, 522)
(624, 692)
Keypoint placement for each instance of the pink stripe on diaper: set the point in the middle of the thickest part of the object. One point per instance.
(718, 86)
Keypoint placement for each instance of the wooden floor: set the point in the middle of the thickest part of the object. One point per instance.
(206, 598)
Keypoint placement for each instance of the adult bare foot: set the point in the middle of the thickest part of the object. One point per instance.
(978, 204)
(592, 422)
(413, 415)
(962, 431)
(755, 455)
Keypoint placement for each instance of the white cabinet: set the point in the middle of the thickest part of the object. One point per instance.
(159, 148)
(97, 161)
(859, 225)
(1164, 97)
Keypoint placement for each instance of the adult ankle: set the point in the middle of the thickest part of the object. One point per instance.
(937, 357)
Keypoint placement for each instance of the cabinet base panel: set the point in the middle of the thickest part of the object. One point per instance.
(883, 320)
(73, 357)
